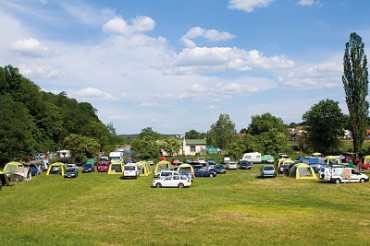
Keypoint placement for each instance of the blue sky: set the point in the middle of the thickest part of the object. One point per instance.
(177, 65)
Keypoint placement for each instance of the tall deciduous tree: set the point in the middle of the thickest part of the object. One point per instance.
(171, 145)
(355, 82)
(222, 133)
(324, 122)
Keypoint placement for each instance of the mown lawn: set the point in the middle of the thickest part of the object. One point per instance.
(232, 209)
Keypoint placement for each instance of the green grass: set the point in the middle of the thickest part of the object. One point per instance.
(232, 209)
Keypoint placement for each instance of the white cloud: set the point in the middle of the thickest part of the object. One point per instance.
(39, 71)
(92, 93)
(215, 59)
(86, 13)
(118, 25)
(210, 35)
(308, 2)
(249, 5)
(30, 47)
(325, 75)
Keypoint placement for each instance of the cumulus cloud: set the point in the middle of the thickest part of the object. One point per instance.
(31, 47)
(118, 25)
(248, 5)
(39, 71)
(209, 35)
(308, 2)
(92, 93)
(325, 75)
(215, 59)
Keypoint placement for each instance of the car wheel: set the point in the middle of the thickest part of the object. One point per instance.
(158, 185)
(337, 181)
(362, 180)
(181, 185)
(211, 175)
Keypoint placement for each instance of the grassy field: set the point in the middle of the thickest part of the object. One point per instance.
(236, 208)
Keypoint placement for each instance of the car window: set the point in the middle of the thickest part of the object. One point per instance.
(176, 177)
(168, 178)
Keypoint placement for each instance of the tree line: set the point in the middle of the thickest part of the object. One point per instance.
(34, 121)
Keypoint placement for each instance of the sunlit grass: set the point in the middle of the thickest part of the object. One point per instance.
(232, 209)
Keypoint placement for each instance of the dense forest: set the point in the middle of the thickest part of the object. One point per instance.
(34, 121)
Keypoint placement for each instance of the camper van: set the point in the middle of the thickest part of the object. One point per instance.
(116, 156)
(343, 175)
(254, 157)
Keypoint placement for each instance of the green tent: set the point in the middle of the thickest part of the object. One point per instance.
(267, 159)
(212, 150)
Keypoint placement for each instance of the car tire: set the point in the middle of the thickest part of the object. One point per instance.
(337, 181)
(181, 185)
(158, 185)
(211, 175)
(362, 180)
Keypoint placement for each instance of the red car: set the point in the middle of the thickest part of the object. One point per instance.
(103, 164)
(366, 166)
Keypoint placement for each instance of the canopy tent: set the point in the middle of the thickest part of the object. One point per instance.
(21, 174)
(57, 165)
(267, 159)
(115, 168)
(302, 171)
(144, 168)
(186, 167)
(11, 166)
(317, 154)
(330, 159)
(284, 162)
(162, 165)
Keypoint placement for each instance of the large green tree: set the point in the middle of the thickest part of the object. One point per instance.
(16, 130)
(171, 145)
(355, 82)
(324, 122)
(269, 132)
(193, 134)
(265, 122)
(222, 133)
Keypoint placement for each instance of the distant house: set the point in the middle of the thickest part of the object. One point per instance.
(193, 146)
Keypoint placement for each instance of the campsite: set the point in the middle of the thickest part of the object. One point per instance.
(237, 207)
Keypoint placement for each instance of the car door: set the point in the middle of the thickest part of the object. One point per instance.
(355, 175)
(167, 181)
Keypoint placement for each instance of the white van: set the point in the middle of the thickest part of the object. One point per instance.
(130, 171)
(254, 157)
(343, 175)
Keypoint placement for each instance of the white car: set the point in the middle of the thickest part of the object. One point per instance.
(343, 175)
(231, 165)
(165, 173)
(130, 171)
(179, 181)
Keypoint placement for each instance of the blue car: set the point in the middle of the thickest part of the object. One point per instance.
(268, 171)
(88, 168)
(71, 172)
(202, 172)
(219, 169)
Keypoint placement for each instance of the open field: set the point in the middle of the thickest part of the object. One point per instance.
(232, 209)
